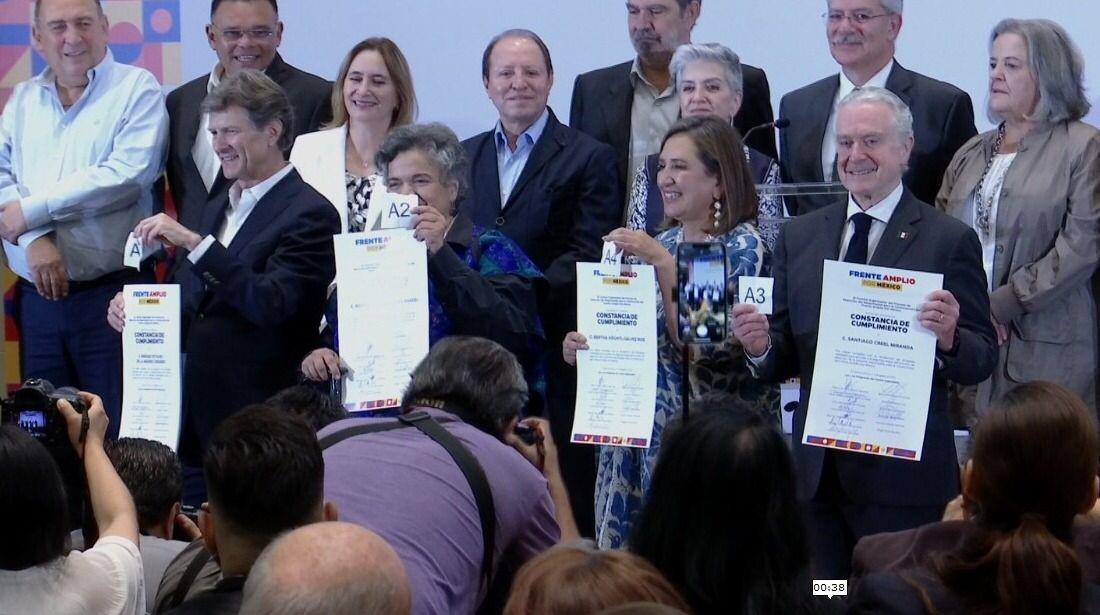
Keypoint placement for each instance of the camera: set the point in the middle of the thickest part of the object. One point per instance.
(33, 408)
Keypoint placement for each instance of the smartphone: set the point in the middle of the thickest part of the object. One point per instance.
(702, 304)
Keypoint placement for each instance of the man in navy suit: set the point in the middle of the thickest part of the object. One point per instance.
(852, 495)
(258, 266)
(862, 36)
(554, 191)
(631, 106)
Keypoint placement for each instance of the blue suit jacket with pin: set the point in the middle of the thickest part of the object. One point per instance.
(251, 309)
(919, 238)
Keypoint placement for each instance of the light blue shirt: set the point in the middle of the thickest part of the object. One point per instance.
(84, 173)
(510, 163)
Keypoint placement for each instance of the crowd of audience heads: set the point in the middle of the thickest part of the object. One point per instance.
(464, 498)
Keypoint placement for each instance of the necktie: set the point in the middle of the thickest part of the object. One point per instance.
(857, 246)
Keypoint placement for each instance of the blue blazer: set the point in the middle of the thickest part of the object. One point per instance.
(920, 238)
(251, 310)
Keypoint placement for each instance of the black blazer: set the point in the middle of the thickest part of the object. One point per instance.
(943, 120)
(251, 309)
(918, 237)
(601, 108)
(565, 201)
(310, 96)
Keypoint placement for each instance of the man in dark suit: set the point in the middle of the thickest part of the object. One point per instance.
(862, 36)
(243, 34)
(630, 106)
(253, 283)
(553, 191)
(851, 494)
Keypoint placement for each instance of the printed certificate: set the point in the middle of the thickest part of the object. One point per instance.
(382, 307)
(874, 363)
(617, 375)
(151, 389)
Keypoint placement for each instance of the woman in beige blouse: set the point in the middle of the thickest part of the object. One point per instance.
(1030, 190)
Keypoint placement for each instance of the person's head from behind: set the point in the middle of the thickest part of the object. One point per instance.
(642, 608)
(1033, 467)
(264, 475)
(579, 579)
(34, 520)
(374, 86)
(704, 179)
(327, 569)
(315, 407)
(152, 473)
(251, 125)
(476, 379)
(732, 535)
(244, 33)
(709, 80)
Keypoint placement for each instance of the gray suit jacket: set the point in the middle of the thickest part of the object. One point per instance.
(1047, 248)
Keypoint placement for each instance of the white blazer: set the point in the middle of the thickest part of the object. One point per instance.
(320, 158)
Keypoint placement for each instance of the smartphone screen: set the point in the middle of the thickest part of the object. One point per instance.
(702, 303)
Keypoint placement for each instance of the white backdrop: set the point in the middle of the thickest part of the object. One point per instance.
(444, 40)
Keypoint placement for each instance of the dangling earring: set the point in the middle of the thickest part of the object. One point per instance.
(717, 213)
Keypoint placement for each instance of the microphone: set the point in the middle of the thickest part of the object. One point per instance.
(779, 124)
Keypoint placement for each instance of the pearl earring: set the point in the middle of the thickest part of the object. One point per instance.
(717, 212)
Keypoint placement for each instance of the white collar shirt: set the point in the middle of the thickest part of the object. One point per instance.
(880, 213)
(206, 160)
(241, 204)
(510, 163)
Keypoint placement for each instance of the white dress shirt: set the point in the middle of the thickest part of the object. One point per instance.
(241, 204)
(991, 193)
(828, 145)
(510, 163)
(202, 151)
(85, 172)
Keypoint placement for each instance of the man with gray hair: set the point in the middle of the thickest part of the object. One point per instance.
(328, 568)
(862, 36)
(850, 494)
(259, 263)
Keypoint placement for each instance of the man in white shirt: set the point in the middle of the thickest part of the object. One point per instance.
(862, 35)
(260, 260)
(849, 494)
(80, 147)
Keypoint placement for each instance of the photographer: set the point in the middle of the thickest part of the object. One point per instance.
(35, 574)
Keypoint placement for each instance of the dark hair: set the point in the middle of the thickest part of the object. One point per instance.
(216, 3)
(34, 519)
(579, 579)
(516, 33)
(1034, 461)
(152, 473)
(405, 111)
(730, 538)
(315, 407)
(723, 156)
(684, 4)
(263, 100)
(478, 379)
(38, 3)
(264, 472)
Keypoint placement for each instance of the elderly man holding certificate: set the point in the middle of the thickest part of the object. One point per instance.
(851, 494)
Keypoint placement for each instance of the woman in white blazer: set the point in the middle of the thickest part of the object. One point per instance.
(372, 95)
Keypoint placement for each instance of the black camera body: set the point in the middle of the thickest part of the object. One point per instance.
(33, 408)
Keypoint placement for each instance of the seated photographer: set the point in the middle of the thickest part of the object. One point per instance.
(36, 575)
(152, 473)
(264, 476)
(408, 489)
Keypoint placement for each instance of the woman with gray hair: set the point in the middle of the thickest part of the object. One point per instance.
(1029, 188)
(708, 78)
(480, 283)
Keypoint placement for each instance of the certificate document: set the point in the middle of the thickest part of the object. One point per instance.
(382, 307)
(151, 390)
(873, 369)
(617, 375)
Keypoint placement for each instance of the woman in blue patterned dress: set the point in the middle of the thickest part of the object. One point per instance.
(708, 197)
(480, 283)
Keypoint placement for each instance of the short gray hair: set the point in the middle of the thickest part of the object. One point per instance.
(903, 117)
(473, 378)
(890, 6)
(1057, 65)
(435, 140)
(708, 52)
(263, 100)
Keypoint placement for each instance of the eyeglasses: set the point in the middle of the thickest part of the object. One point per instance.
(257, 34)
(857, 17)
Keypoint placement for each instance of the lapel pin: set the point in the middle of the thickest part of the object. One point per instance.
(903, 235)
